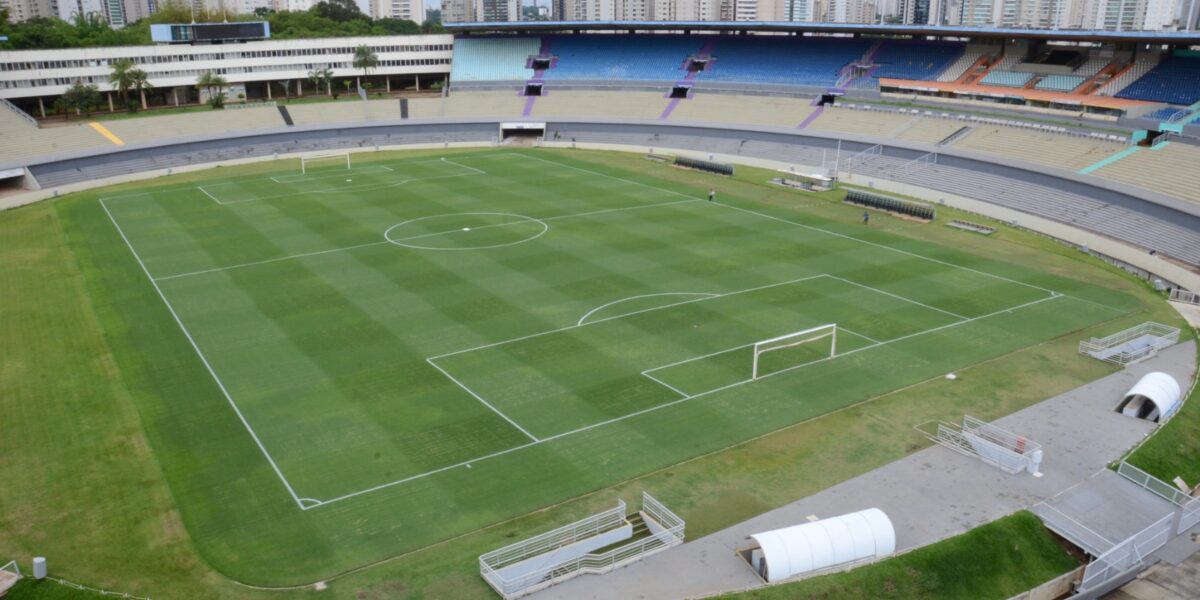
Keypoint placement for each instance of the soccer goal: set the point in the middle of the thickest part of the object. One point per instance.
(324, 160)
(807, 337)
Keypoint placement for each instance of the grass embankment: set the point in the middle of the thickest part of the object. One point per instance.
(994, 561)
(113, 522)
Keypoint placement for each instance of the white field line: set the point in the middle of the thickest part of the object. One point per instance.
(202, 190)
(302, 177)
(622, 316)
(684, 398)
(604, 306)
(874, 342)
(203, 359)
(480, 398)
(339, 190)
(379, 243)
(899, 297)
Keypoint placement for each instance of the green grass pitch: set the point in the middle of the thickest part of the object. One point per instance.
(375, 359)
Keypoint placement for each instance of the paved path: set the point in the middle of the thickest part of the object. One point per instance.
(929, 495)
(1164, 581)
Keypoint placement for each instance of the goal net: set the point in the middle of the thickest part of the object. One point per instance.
(337, 160)
(810, 340)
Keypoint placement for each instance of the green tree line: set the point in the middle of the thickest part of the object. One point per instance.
(329, 18)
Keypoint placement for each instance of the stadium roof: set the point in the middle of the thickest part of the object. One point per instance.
(1142, 37)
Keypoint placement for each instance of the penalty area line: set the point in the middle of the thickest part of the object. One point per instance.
(480, 398)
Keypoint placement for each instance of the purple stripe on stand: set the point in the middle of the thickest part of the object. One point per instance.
(666, 113)
(529, 100)
(810, 118)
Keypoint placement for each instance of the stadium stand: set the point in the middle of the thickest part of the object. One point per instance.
(775, 60)
(930, 129)
(1060, 83)
(475, 104)
(1092, 66)
(21, 139)
(914, 60)
(750, 110)
(493, 59)
(615, 58)
(1141, 65)
(345, 111)
(1170, 169)
(1175, 80)
(969, 57)
(1040, 147)
(185, 125)
(635, 105)
(848, 118)
(1006, 78)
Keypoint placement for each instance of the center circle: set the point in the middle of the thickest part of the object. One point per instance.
(465, 231)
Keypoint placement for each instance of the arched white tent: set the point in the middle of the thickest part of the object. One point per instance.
(1155, 396)
(785, 553)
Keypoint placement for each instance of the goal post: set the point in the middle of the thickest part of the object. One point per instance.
(791, 340)
(338, 159)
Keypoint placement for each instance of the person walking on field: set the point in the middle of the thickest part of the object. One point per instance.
(712, 194)
(866, 218)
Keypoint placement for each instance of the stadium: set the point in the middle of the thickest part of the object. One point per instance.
(604, 310)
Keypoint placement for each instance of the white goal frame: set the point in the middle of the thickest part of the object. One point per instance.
(794, 339)
(304, 160)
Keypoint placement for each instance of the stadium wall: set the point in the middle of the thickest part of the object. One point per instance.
(94, 168)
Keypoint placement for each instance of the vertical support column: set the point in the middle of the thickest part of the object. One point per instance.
(269, 90)
(299, 89)
(42, 106)
(418, 78)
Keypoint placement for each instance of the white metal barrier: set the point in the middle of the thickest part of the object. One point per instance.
(1159, 487)
(1181, 295)
(666, 529)
(1079, 534)
(1127, 554)
(1008, 451)
(1190, 515)
(1131, 345)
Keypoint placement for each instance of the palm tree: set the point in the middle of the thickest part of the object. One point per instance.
(365, 59)
(120, 78)
(139, 81)
(324, 74)
(214, 84)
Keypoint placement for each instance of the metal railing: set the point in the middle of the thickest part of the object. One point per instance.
(23, 114)
(1157, 486)
(1079, 534)
(1108, 348)
(666, 530)
(916, 164)
(1003, 449)
(12, 567)
(861, 158)
(1182, 295)
(1127, 554)
(1189, 516)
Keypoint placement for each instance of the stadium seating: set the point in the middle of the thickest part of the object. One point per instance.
(629, 58)
(493, 59)
(1060, 83)
(750, 110)
(862, 122)
(1170, 170)
(782, 60)
(965, 61)
(1141, 65)
(915, 60)
(1006, 78)
(1092, 66)
(1051, 149)
(634, 105)
(234, 120)
(1175, 80)
(20, 139)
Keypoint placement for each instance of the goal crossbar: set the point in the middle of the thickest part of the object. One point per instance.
(339, 156)
(794, 339)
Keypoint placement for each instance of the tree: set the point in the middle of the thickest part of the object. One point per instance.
(121, 78)
(139, 82)
(215, 86)
(365, 59)
(322, 75)
(78, 97)
(338, 10)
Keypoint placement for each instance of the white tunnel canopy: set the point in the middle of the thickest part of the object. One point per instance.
(827, 543)
(1155, 396)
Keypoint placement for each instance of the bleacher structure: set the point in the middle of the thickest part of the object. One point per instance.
(493, 59)
(1131, 345)
(1003, 449)
(1175, 80)
(591, 546)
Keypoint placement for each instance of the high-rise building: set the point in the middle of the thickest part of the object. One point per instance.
(850, 11)
(497, 10)
(23, 10)
(801, 10)
(413, 10)
(920, 12)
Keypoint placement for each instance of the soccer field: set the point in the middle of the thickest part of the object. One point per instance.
(487, 333)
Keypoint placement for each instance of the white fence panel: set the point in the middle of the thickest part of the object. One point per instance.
(1190, 516)
(1127, 554)
(1155, 485)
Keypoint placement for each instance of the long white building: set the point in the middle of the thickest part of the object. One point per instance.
(174, 68)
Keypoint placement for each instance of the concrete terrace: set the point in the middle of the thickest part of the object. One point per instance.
(929, 495)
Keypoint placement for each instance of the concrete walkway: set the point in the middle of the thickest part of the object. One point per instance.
(929, 495)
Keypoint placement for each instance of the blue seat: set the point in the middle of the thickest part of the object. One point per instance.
(1060, 83)
(1176, 80)
(782, 60)
(1006, 78)
(492, 59)
(915, 60)
(626, 57)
